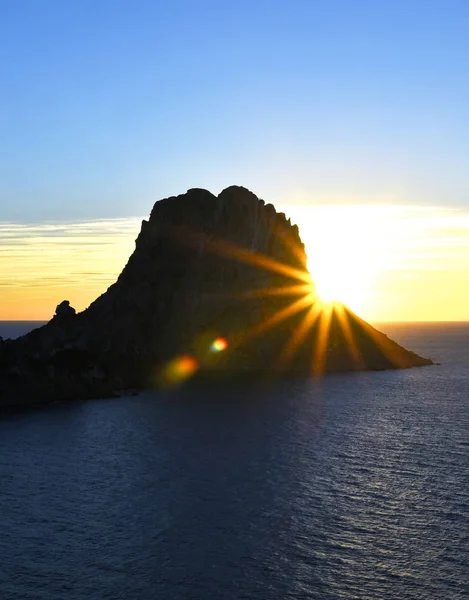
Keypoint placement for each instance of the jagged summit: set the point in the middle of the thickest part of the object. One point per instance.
(216, 286)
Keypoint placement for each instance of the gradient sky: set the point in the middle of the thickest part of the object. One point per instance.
(107, 106)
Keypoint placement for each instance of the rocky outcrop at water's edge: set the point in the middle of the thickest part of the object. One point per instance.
(217, 287)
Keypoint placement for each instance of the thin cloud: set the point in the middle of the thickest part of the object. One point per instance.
(46, 262)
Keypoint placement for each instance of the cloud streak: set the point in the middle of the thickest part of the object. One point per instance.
(41, 264)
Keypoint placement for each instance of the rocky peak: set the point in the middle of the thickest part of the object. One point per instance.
(204, 269)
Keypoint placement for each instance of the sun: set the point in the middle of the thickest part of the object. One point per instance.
(330, 288)
(335, 285)
(346, 248)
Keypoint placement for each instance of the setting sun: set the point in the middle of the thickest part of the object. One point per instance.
(344, 251)
(388, 262)
(334, 287)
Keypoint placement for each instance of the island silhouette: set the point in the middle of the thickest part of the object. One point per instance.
(217, 287)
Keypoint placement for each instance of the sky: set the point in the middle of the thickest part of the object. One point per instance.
(351, 116)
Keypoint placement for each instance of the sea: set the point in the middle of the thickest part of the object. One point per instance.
(353, 486)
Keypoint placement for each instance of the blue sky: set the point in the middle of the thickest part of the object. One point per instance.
(107, 106)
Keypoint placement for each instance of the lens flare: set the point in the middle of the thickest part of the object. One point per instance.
(218, 345)
(179, 369)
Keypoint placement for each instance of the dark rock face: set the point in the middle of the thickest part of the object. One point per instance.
(204, 268)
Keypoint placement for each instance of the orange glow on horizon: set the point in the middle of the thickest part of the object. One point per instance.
(387, 262)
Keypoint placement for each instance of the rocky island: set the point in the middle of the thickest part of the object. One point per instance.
(217, 287)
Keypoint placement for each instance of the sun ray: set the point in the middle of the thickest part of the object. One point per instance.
(352, 346)
(258, 260)
(230, 250)
(394, 353)
(319, 352)
(298, 336)
(287, 290)
(275, 319)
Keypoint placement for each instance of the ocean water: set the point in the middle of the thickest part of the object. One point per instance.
(14, 329)
(353, 487)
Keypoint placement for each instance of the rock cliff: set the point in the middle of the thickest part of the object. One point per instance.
(216, 287)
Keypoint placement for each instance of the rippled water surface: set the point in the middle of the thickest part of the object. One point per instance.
(355, 487)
